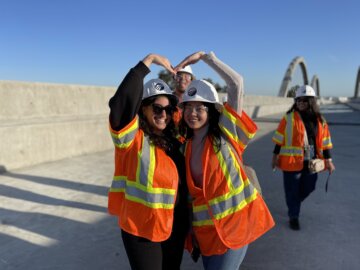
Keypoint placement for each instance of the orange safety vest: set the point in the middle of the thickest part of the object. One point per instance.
(228, 212)
(290, 136)
(144, 187)
(177, 116)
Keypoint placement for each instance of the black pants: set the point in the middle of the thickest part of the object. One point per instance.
(144, 254)
(298, 186)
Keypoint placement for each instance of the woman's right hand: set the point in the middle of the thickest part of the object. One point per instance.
(158, 60)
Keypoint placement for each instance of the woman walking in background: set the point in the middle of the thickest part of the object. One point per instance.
(148, 192)
(228, 212)
(301, 136)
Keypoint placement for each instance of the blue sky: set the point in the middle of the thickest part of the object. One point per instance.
(96, 42)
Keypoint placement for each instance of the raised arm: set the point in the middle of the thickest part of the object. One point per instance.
(233, 80)
(125, 104)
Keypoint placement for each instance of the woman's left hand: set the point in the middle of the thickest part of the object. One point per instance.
(329, 165)
(189, 60)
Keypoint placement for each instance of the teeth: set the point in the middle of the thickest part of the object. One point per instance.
(160, 120)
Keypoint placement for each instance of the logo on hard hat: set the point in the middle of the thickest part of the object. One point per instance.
(192, 91)
(159, 87)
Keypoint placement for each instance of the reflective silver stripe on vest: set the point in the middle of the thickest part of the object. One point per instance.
(291, 151)
(289, 128)
(146, 163)
(278, 137)
(123, 139)
(238, 189)
(118, 183)
(146, 196)
(326, 142)
(227, 163)
(201, 215)
(131, 188)
(225, 122)
(233, 201)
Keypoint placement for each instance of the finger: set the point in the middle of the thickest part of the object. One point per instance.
(180, 65)
(171, 69)
(177, 68)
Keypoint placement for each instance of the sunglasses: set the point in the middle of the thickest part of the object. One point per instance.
(158, 109)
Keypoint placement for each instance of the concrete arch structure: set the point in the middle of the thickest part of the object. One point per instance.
(316, 85)
(289, 73)
(357, 85)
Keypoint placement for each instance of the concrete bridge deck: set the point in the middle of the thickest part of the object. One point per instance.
(53, 215)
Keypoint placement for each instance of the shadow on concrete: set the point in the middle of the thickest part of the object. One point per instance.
(62, 183)
(78, 245)
(67, 243)
(2, 169)
(30, 196)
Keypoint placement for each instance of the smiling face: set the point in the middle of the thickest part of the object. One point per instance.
(183, 80)
(158, 114)
(196, 114)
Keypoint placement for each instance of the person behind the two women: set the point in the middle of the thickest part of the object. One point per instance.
(148, 191)
(183, 78)
(303, 118)
(228, 212)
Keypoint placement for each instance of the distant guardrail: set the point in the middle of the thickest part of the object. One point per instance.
(41, 122)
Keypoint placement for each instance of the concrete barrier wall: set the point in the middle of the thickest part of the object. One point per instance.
(41, 122)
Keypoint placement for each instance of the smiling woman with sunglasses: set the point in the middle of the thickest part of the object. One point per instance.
(148, 192)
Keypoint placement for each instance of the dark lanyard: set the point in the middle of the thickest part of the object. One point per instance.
(327, 182)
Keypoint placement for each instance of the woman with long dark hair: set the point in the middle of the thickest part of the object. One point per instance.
(302, 135)
(148, 192)
(228, 212)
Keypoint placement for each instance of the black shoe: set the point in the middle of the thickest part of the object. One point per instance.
(294, 224)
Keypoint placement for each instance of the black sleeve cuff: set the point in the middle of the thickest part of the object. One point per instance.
(276, 149)
(327, 154)
(141, 69)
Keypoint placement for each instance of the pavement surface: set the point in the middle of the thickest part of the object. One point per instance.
(54, 216)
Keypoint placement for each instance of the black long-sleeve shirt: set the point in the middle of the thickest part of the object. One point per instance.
(124, 106)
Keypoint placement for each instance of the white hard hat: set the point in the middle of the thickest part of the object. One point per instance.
(186, 69)
(305, 91)
(156, 87)
(203, 91)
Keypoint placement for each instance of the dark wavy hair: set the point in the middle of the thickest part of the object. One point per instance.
(164, 141)
(214, 131)
(312, 112)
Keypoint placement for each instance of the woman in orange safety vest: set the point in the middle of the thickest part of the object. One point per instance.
(292, 154)
(148, 191)
(228, 212)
